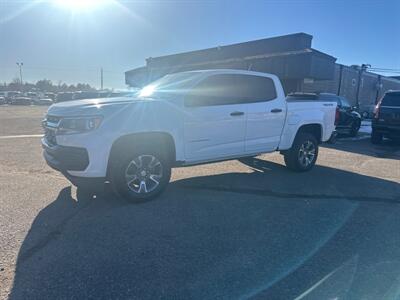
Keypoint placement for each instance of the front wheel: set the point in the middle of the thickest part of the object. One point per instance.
(142, 175)
(303, 154)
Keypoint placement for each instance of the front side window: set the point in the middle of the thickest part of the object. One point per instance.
(225, 89)
(169, 85)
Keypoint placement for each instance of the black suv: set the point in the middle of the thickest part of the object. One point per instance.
(386, 121)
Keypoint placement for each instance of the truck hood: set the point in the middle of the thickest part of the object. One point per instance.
(91, 106)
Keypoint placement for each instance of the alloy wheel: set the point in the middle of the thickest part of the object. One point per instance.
(143, 174)
(307, 153)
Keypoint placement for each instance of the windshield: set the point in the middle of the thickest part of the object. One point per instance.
(169, 85)
(344, 102)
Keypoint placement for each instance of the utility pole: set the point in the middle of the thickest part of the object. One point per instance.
(340, 79)
(20, 64)
(101, 78)
(362, 68)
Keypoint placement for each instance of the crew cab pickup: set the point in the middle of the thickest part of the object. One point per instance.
(182, 119)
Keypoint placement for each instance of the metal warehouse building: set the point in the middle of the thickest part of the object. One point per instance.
(291, 57)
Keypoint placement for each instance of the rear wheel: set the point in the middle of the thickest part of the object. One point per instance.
(376, 137)
(303, 154)
(141, 175)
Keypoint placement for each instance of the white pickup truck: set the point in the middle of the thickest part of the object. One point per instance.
(182, 119)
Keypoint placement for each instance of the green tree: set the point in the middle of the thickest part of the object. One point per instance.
(45, 85)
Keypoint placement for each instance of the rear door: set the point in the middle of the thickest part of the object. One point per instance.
(266, 111)
(215, 119)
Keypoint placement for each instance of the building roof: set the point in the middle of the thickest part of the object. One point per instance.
(289, 56)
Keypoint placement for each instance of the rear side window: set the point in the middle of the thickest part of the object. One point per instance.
(391, 99)
(228, 89)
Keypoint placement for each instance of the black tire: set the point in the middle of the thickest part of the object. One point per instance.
(376, 137)
(294, 157)
(355, 127)
(126, 166)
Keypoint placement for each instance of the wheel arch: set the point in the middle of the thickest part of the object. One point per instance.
(315, 129)
(161, 140)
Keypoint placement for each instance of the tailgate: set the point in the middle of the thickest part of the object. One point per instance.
(390, 115)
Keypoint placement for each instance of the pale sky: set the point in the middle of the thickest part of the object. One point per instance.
(61, 42)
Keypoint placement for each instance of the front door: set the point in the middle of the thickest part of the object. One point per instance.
(215, 121)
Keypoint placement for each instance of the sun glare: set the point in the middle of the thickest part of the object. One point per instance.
(147, 91)
(81, 5)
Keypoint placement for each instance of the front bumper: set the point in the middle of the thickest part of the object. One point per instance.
(65, 158)
(389, 130)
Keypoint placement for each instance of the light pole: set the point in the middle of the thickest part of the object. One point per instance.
(101, 78)
(20, 64)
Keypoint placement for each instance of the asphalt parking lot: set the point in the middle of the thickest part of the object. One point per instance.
(229, 230)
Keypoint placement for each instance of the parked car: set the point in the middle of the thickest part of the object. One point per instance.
(86, 95)
(386, 121)
(103, 94)
(43, 101)
(120, 94)
(2, 100)
(182, 119)
(349, 120)
(10, 95)
(32, 95)
(21, 101)
(65, 96)
(50, 95)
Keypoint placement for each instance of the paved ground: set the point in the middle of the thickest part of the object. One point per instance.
(16, 120)
(226, 230)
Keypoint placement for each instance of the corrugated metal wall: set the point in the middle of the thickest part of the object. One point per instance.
(371, 86)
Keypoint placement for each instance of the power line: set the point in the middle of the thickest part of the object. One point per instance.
(384, 69)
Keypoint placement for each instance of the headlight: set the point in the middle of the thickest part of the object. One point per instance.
(78, 125)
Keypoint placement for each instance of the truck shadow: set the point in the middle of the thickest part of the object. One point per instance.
(387, 149)
(224, 236)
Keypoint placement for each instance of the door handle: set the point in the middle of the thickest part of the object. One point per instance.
(276, 110)
(237, 113)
